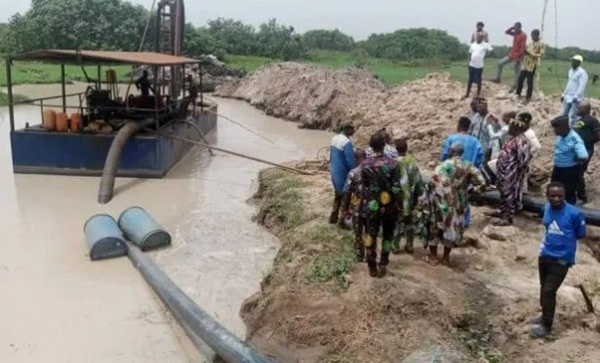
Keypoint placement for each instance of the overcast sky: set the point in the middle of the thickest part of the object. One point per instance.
(578, 20)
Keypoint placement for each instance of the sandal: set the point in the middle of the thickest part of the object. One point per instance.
(431, 260)
(409, 249)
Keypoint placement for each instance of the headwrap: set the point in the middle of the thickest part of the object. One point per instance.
(522, 120)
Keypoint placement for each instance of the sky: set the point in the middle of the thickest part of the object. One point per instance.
(360, 18)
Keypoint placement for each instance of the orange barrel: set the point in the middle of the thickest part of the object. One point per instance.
(76, 122)
(111, 76)
(62, 122)
(49, 120)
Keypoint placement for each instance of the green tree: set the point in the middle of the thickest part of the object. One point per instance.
(413, 44)
(235, 36)
(279, 41)
(84, 24)
(328, 40)
(201, 41)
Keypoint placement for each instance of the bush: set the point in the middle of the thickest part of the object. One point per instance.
(71, 24)
(279, 41)
(411, 44)
(328, 40)
(200, 41)
(234, 36)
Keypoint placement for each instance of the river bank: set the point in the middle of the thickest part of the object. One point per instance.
(317, 305)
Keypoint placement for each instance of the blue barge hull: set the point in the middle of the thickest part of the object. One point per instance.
(144, 156)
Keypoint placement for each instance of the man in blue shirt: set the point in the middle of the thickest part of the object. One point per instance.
(473, 152)
(575, 89)
(569, 156)
(342, 161)
(564, 225)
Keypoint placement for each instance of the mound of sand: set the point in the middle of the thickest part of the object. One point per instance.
(315, 97)
(425, 110)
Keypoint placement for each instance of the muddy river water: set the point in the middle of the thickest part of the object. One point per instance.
(57, 306)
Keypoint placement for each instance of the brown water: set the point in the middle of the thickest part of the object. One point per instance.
(57, 306)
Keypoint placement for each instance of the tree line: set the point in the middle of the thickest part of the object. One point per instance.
(119, 25)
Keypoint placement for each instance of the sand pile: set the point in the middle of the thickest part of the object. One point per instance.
(316, 97)
(425, 110)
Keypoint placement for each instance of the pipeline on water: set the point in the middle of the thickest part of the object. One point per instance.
(270, 163)
(195, 321)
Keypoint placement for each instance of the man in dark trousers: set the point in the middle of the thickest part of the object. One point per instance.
(564, 224)
(382, 195)
(569, 156)
(516, 53)
(533, 54)
(588, 129)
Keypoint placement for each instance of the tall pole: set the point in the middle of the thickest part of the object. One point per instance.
(9, 86)
(539, 70)
(63, 85)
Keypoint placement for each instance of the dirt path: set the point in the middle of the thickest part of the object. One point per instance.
(318, 305)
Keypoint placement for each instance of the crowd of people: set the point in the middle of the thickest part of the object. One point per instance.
(380, 190)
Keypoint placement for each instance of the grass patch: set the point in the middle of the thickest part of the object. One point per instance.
(283, 202)
(16, 98)
(333, 264)
(45, 73)
(394, 73)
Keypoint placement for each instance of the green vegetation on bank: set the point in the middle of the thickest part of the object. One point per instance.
(395, 73)
(45, 73)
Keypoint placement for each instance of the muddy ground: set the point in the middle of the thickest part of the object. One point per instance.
(317, 305)
(425, 111)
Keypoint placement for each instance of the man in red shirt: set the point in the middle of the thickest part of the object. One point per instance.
(516, 54)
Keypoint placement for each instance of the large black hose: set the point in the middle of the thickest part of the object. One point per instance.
(194, 320)
(107, 184)
(536, 205)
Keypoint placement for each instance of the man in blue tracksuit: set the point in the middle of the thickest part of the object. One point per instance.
(342, 161)
(564, 224)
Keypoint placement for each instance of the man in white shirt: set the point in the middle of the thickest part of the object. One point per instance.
(575, 89)
(478, 51)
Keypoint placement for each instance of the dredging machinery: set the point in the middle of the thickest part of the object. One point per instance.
(101, 131)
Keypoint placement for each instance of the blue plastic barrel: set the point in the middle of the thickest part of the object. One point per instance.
(104, 238)
(140, 228)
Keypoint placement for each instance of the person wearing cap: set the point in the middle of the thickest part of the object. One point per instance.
(443, 205)
(588, 127)
(512, 165)
(575, 90)
(343, 160)
(533, 55)
(516, 54)
(480, 31)
(569, 155)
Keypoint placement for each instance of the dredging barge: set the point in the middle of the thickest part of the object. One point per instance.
(77, 150)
